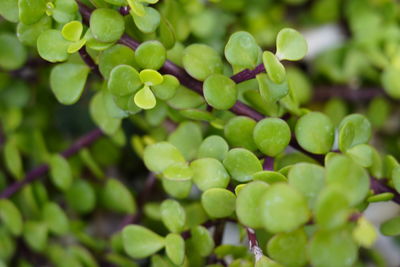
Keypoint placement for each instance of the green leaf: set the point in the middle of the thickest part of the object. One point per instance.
(315, 133)
(396, 178)
(167, 89)
(175, 248)
(9, 10)
(202, 240)
(150, 20)
(101, 117)
(178, 171)
(362, 154)
(83, 255)
(81, 196)
(239, 132)
(145, 98)
(166, 33)
(354, 129)
(13, 159)
(151, 77)
(390, 81)
(52, 46)
(106, 25)
(177, 188)
(28, 34)
(160, 156)
(248, 208)
(283, 208)
(380, 197)
(8, 245)
(187, 138)
(275, 70)
(64, 10)
(12, 53)
(67, 82)
(242, 164)
(289, 248)
(213, 146)
(332, 249)
(114, 56)
(218, 202)
(290, 45)
(200, 61)
(348, 177)
(173, 215)
(72, 31)
(271, 92)
(269, 177)
(364, 233)
(150, 55)
(185, 98)
(242, 50)
(309, 179)
(30, 11)
(220, 91)
(209, 173)
(124, 80)
(10, 217)
(140, 242)
(391, 227)
(272, 136)
(35, 235)
(117, 197)
(55, 218)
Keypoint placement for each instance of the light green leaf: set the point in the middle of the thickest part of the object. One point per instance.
(202, 240)
(55, 218)
(13, 159)
(151, 77)
(12, 53)
(239, 132)
(175, 248)
(354, 129)
(9, 10)
(173, 215)
(209, 173)
(365, 233)
(10, 217)
(30, 11)
(275, 70)
(124, 80)
(114, 56)
(391, 227)
(106, 25)
(187, 138)
(35, 235)
(101, 117)
(81, 196)
(220, 91)
(290, 45)
(150, 20)
(140, 242)
(117, 197)
(72, 31)
(225, 199)
(150, 55)
(160, 156)
(167, 89)
(242, 50)
(213, 146)
(52, 46)
(242, 164)
(145, 98)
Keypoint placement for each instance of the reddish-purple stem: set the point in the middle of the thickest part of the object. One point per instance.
(44, 168)
(89, 61)
(324, 93)
(268, 163)
(253, 244)
(379, 186)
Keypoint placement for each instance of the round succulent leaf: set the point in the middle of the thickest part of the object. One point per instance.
(173, 215)
(187, 138)
(106, 25)
(8, 245)
(144, 98)
(67, 82)
(396, 178)
(9, 10)
(12, 53)
(202, 240)
(264, 261)
(209, 173)
(83, 255)
(289, 248)
(283, 208)
(151, 77)
(218, 202)
(269, 177)
(332, 249)
(332, 208)
(13, 160)
(242, 164)
(275, 70)
(354, 129)
(175, 248)
(124, 80)
(101, 116)
(55, 218)
(200, 61)
(391, 227)
(150, 20)
(239, 132)
(290, 45)
(272, 136)
(315, 132)
(178, 171)
(179, 189)
(270, 91)
(117, 197)
(76, 46)
(72, 31)
(114, 56)
(137, 8)
(197, 115)
(390, 81)
(220, 91)
(364, 233)
(52, 46)
(31, 11)
(140, 242)
(213, 146)
(60, 172)
(166, 33)
(242, 50)
(64, 11)
(81, 196)
(10, 217)
(35, 235)
(150, 55)
(185, 98)
(362, 154)
(309, 179)
(248, 208)
(28, 34)
(348, 177)
(158, 157)
(167, 89)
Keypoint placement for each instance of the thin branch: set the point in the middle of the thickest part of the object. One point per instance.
(89, 61)
(44, 168)
(253, 244)
(268, 163)
(325, 93)
(379, 186)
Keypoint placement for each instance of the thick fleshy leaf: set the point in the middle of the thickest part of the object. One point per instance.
(178, 171)
(365, 233)
(173, 215)
(55, 218)
(315, 132)
(167, 89)
(239, 132)
(114, 56)
(145, 99)
(140, 242)
(200, 61)
(160, 156)
(179, 189)
(72, 31)
(391, 227)
(35, 235)
(13, 159)
(106, 25)
(290, 45)
(64, 10)
(209, 173)
(275, 70)
(30, 11)
(187, 138)
(242, 50)
(354, 129)
(60, 172)
(362, 154)
(248, 208)
(150, 55)
(151, 77)
(213, 146)
(396, 178)
(52, 46)
(124, 80)
(242, 164)
(202, 240)
(390, 81)
(225, 199)
(28, 34)
(101, 117)
(150, 20)
(220, 91)
(283, 208)
(117, 197)
(67, 82)
(271, 135)
(12, 53)
(10, 217)
(175, 248)
(81, 196)
(9, 10)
